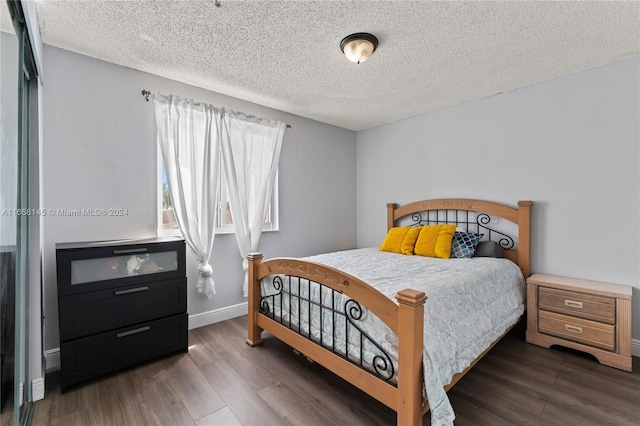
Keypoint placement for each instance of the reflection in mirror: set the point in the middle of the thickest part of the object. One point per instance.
(9, 364)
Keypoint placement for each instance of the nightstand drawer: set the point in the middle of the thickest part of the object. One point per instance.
(597, 308)
(579, 330)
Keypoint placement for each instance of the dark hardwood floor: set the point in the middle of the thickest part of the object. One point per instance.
(6, 415)
(222, 381)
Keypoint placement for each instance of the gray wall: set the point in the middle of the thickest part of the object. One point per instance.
(8, 135)
(571, 145)
(100, 152)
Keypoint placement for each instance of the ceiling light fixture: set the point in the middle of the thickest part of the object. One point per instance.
(358, 47)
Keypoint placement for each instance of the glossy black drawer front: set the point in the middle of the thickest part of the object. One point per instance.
(89, 267)
(94, 312)
(89, 357)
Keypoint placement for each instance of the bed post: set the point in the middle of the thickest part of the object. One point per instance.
(390, 221)
(410, 347)
(524, 237)
(254, 332)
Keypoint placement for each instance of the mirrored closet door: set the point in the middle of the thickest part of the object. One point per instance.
(16, 109)
(8, 222)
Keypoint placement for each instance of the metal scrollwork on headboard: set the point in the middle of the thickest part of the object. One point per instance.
(505, 241)
(461, 218)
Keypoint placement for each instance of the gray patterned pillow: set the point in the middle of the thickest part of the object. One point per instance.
(488, 249)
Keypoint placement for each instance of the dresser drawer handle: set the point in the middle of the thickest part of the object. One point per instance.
(573, 328)
(573, 304)
(131, 290)
(129, 251)
(135, 331)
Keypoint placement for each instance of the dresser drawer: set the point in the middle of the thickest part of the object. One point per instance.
(589, 332)
(84, 358)
(87, 267)
(596, 308)
(90, 313)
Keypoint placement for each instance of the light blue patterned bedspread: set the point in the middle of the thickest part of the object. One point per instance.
(471, 302)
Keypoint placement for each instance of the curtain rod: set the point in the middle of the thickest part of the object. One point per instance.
(146, 93)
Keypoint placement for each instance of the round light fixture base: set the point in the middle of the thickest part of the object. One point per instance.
(359, 47)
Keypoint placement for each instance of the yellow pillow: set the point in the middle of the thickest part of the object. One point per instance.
(400, 240)
(435, 241)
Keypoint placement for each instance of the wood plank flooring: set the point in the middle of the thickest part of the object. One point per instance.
(222, 381)
(6, 415)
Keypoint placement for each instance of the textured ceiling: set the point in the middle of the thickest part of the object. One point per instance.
(285, 54)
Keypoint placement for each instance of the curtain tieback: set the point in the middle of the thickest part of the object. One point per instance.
(205, 270)
(245, 265)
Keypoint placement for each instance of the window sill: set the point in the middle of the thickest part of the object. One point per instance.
(176, 232)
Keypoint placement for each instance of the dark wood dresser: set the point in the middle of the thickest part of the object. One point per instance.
(119, 303)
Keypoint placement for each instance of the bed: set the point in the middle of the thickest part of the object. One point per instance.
(367, 322)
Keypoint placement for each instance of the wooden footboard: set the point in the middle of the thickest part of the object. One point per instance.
(405, 397)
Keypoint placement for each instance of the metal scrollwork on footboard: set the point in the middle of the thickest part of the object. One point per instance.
(477, 223)
(321, 315)
(382, 364)
(264, 304)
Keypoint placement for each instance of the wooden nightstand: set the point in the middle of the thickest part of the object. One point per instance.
(589, 316)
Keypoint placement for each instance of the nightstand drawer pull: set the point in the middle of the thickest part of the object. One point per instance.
(573, 304)
(136, 331)
(573, 328)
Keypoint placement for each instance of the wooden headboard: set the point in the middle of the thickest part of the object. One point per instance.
(456, 210)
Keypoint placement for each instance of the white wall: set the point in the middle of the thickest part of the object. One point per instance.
(571, 145)
(100, 152)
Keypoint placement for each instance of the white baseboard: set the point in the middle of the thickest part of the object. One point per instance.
(218, 315)
(37, 389)
(52, 359)
(52, 356)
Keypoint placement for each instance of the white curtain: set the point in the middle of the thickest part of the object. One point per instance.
(189, 138)
(250, 151)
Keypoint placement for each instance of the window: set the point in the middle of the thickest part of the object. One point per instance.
(168, 225)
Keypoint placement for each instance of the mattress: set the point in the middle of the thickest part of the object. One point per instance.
(471, 302)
